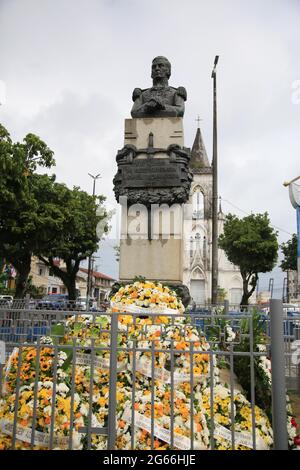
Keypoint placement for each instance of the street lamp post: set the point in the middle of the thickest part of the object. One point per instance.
(294, 193)
(214, 265)
(88, 293)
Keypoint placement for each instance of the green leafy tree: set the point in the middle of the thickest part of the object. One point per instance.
(41, 217)
(289, 250)
(222, 294)
(21, 215)
(77, 238)
(251, 244)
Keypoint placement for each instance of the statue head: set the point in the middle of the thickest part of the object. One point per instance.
(161, 68)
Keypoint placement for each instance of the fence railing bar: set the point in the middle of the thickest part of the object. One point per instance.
(232, 398)
(133, 394)
(113, 365)
(172, 394)
(279, 414)
(52, 422)
(212, 421)
(73, 373)
(252, 382)
(36, 383)
(152, 393)
(17, 399)
(192, 394)
(91, 392)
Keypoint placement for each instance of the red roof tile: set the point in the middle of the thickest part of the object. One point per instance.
(98, 275)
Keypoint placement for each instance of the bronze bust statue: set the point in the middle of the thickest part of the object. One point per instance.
(161, 100)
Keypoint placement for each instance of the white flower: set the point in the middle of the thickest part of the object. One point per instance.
(61, 374)
(62, 355)
(76, 398)
(46, 340)
(221, 391)
(26, 387)
(76, 440)
(62, 388)
(230, 334)
(48, 384)
(178, 420)
(84, 409)
(48, 410)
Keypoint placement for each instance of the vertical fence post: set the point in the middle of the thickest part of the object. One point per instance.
(226, 306)
(278, 376)
(113, 363)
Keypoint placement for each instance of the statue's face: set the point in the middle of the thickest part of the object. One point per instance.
(160, 69)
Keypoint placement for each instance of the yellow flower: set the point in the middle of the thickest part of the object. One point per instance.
(25, 410)
(102, 401)
(120, 396)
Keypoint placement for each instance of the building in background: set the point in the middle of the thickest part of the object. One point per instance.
(293, 290)
(48, 284)
(39, 275)
(101, 284)
(197, 236)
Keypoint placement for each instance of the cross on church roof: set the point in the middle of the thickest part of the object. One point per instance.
(198, 120)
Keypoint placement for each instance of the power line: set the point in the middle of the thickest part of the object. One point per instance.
(247, 213)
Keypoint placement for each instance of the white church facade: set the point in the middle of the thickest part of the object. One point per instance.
(197, 236)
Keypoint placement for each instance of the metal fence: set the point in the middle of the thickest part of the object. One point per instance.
(134, 381)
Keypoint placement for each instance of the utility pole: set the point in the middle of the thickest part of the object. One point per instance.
(294, 193)
(88, 292)
(214, 266)
(271, 286)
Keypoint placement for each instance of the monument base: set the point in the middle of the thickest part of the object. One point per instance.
(156, 260)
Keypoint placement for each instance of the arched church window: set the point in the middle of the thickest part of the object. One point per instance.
(191, 246)
(198, 204)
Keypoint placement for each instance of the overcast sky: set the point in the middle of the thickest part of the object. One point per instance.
(70, 67)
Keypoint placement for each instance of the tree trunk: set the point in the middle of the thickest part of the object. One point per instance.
(71, 287)
(68, 277)
(22, 266)
(247, 293)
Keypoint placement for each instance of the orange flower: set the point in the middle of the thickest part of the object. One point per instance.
(24, 422)
(31, 354)
(134, 295)
(199, 427)
(204, 357)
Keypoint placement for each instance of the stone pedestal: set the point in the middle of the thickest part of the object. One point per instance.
(166, 131)
(152, 184)
(152, 243)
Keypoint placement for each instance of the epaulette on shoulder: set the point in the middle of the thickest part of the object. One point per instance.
(181, 91)
(136, 93)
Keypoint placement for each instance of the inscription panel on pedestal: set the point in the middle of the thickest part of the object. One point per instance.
(151, 173)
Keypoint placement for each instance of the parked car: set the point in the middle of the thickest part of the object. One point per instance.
(53, 302)
(81, 303)
(6, 300)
